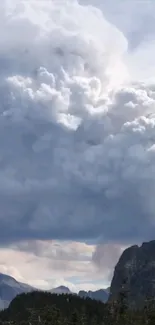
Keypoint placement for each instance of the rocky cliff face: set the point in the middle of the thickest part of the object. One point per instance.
(135, 274)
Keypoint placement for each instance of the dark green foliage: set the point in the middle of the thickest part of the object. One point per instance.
(48, 308)
(42, 308)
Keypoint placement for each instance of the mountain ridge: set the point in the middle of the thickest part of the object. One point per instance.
(10, 288)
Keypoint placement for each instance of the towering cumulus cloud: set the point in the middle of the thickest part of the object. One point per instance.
(77, 139)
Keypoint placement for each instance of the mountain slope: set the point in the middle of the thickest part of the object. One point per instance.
(49, 308)
(10, 288)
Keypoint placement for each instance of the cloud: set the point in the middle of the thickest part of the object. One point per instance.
(77, 133)
(47, 264)
(134, 18)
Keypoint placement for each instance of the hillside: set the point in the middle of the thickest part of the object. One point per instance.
(53, 309)
(45, 308)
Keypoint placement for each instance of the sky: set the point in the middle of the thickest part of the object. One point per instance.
(77, 138)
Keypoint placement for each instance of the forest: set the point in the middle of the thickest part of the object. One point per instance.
(45, 308)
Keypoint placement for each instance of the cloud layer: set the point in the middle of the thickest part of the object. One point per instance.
(77, 134)
(48, 264)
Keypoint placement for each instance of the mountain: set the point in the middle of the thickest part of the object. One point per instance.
(101, 295)
(10, 288)
(61, 290)
(135, 275)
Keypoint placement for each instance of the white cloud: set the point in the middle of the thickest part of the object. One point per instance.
(134, 17)
(77, 133)
(48, 264)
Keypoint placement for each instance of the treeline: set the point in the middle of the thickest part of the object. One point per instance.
(50, 309)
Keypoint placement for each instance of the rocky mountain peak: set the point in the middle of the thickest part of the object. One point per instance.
(135, 271)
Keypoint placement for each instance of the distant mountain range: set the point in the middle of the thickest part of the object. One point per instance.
(10, 288)
(101, 294)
